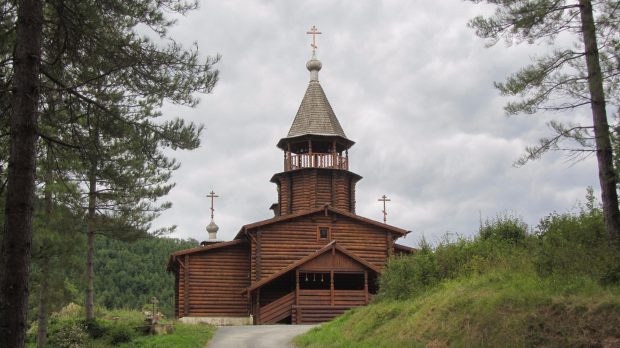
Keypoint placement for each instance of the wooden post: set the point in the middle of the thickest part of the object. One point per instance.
(334, 154)
(186, 287)
(366, 285)
(257, 316)
(331, 286)
(389, 243)
(297, 311)
(258, 255)
(290, 193)
(310, 153)
(289, 163)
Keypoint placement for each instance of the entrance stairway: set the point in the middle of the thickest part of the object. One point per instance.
(277, 310)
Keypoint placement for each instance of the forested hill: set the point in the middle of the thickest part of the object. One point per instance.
(128, 275)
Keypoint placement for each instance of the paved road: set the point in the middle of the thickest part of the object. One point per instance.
(258, 336)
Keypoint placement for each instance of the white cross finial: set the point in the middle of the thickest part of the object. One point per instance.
(212, 195)
(384, 199)
(314, 32)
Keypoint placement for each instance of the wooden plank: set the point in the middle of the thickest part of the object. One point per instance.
(186, 271)
(366, 286)
(259, 258)
(258, 305)
(331, 285)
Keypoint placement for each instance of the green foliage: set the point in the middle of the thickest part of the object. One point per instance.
(185, 335)
(121, 334)
(495, 309)
(128, 275)
(118, 328)
(67, 333)
(555, 287)
(504, 228)
(411, 276)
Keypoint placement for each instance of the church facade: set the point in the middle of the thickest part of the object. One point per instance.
(314, 259)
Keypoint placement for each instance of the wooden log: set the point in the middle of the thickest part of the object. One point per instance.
(186, 286)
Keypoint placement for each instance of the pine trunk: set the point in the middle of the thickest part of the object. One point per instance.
(90, 272)
(606, 172)
(44, 290)
(17, 240)
(43, 306)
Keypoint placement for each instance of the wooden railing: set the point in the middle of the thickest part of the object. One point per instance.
(315, 160)
(277, 310)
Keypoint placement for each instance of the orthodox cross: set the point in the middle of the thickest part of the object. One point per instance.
(314, 32)
(212, 195)
(384, 199)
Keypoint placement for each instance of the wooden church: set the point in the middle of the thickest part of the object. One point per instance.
(310, 262)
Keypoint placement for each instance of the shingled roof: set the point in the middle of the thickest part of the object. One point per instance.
(315, 115)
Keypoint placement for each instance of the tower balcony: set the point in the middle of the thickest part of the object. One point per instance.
(332, 160)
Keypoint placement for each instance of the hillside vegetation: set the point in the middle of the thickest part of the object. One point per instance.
(127, 274)
(117, 328)
(554, 286)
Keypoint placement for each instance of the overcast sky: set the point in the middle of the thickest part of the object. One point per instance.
(410, 83)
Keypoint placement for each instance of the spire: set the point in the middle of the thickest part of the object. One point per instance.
(315, 116)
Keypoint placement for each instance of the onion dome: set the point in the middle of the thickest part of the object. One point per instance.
(212, 228)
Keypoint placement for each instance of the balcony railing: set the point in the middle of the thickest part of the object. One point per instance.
(315, 160)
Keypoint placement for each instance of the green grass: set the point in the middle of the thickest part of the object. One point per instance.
(117, 328)
(185, 335)
(492, 310)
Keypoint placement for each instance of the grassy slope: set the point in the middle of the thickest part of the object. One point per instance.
(495, 309)
(185, 335)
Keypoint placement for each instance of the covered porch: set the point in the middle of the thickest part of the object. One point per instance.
(314, 289)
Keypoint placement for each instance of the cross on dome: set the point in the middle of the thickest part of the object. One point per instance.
(384, 199)
(314, 32)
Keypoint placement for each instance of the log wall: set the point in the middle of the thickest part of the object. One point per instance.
(215, 279)
(312, 188)
(283, 243)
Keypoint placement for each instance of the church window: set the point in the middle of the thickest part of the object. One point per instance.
(323, 233)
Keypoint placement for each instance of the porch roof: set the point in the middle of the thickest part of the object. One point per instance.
(310, 257)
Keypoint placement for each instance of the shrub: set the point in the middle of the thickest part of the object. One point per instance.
(575, 244)
(504, 228)
(95, 328)
(68, 334)
(408, 276)
(121, 334)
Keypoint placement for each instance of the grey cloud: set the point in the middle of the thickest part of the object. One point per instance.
(409, 82)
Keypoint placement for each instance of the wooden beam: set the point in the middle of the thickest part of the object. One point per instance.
(366, 284)
(290, 194)
(258, 306)
(331, 286)
(186, 287)
(296, 296)
(333, 186)
(258, 254)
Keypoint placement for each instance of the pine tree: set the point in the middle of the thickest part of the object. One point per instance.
(15, 251)
(103, 74)
(566, 79)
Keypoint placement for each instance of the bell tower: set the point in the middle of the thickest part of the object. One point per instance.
(316, 159)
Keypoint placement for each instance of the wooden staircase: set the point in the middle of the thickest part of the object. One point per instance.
(277, 310)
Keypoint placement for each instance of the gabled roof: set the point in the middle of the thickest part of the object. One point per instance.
(287, 217)
(199, 249)
(315, 115)
(404, 248)
(310, 257)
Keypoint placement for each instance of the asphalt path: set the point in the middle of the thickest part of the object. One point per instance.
(257, 336)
